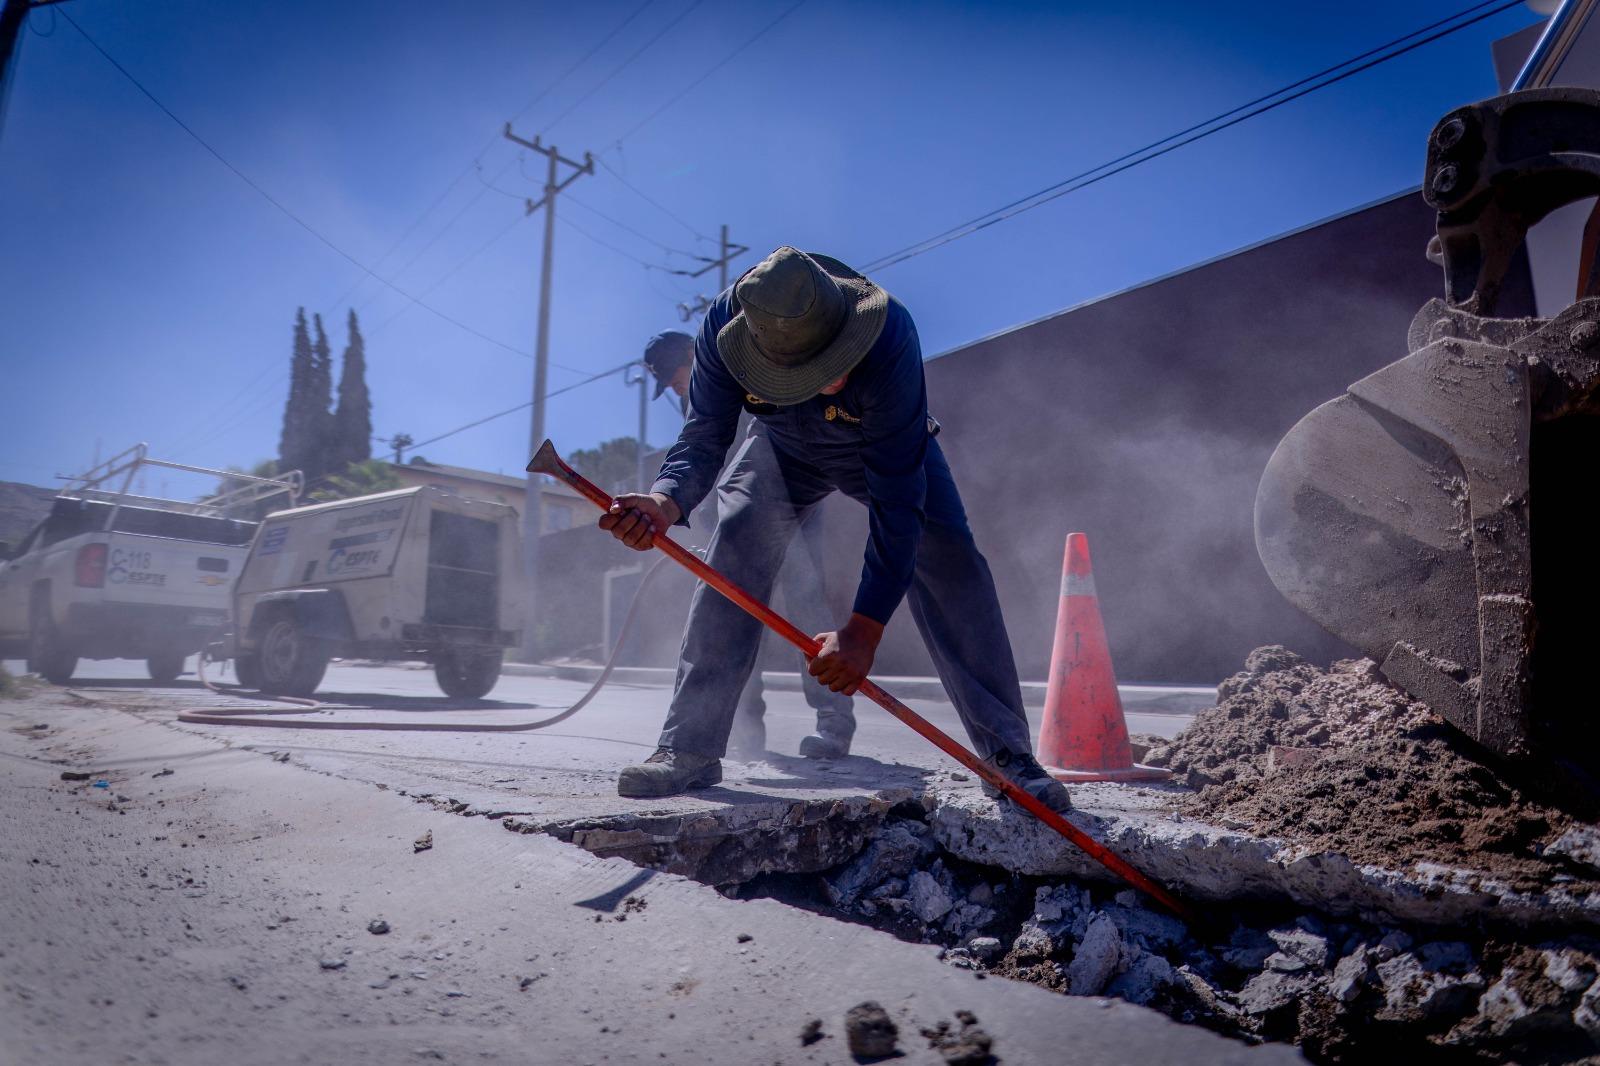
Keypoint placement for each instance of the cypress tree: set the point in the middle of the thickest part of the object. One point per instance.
(353, 419)
(296, 441)
(319, 408)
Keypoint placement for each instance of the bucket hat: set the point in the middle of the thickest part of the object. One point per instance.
(804, 320)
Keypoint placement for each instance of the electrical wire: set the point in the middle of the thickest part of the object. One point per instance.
(476, 161)
(669, 249)
(641, 195)
(565, 221)
(1197, 132)
(686, 90)
(274, 201)
(523, 406)
(548, 126)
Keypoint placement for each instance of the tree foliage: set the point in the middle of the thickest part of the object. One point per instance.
(298, 443)
(612, 464)
(358, 479)
(352, 420)
(318, 439)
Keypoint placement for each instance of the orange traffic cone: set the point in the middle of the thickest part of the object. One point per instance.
(1084, 736)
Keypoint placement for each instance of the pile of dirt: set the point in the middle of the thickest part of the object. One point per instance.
(1385, 781)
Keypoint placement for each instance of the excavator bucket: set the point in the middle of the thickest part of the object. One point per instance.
(1434, 516)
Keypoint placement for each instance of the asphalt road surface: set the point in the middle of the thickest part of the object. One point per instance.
(211, 900)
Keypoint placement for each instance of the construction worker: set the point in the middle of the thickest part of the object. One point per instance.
(670, 357)
(829, 365)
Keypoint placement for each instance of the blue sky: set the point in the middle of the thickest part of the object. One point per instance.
(149, 294)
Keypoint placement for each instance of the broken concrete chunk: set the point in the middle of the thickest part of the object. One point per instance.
(1569, 970)
(1151, 930)
(968, 1046)
(811, 1032)
(1033, 944)
(890, 889)
(967, 918)
(1097, 957)
(423, 842)
(898, 849)
(1144, 978)
(332, 964)
(1586, 1015)
(1351, 975)
(1271, 991)
(1248, 949)
(1579, 844)
(1392, 944)
(1502, 1007)
(377, 927)
(1413, 990)
(1304, 949)
(929, 901)
(1059, 903)
(870, 1031)
(987, 948)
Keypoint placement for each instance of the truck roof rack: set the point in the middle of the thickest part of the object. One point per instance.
(112, 480)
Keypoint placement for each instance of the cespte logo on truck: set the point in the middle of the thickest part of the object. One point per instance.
(347, 554)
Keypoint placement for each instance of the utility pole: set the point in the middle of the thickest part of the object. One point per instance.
(399, 442)
(641, 448)
(532, 509)
(725, 254)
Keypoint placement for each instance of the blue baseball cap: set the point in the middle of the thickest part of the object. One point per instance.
(665, 353)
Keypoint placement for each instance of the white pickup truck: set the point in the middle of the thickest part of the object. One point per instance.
(109, 574)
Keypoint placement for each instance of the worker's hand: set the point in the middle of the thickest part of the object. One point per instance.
(635, 518)
(847, 653)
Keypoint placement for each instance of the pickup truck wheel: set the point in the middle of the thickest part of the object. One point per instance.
(165, 667)
(292, 661)
(49, 654)
(247, 668)
(468, 675)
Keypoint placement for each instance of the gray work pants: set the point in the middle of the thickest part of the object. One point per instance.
(800, 582)
(760, 502)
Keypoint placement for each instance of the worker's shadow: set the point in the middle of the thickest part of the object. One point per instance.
(852, 771)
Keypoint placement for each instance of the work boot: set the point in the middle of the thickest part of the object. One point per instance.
(668, 772)
(824, 745)
(1023, 770)
(748, 741)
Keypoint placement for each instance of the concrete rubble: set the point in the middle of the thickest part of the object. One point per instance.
(1470, 952)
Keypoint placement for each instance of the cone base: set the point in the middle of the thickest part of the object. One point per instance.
(1136, 772)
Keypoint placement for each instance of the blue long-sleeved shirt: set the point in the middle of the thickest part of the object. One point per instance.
(878, 435)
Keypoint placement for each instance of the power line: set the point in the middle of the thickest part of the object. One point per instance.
(476, 161)
(525, 405)
(265, 195)
(548, 126)
(686, 90)
(564, 220)
(1197, 132)
(601, 159)
(762, 32)
(669, 249)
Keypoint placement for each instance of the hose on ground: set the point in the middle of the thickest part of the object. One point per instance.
(257, 716)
